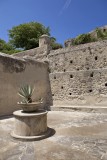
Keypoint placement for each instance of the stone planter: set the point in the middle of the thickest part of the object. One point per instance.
(30, 107)
(30, 126)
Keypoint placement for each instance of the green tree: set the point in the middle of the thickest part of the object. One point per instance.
(54, 44)
(7, 48)
(26, 36)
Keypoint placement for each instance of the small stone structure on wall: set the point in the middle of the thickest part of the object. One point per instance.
(78, 75)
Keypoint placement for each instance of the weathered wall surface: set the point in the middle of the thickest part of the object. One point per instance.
(15, 72)
(80, 88)
(40, 52)
(36, 53)
(83, 57)
(79, 75)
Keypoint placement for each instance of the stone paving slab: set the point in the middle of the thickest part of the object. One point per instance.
(76, 136)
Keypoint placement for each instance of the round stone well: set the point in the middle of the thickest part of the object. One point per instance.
(30, 126)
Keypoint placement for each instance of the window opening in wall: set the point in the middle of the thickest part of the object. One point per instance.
(71, 61)
(90, 90)
(64, 70)
(70, 93)
(106, 84)
(54, 77)
(55, 64)
(89, 50)
(91, 75)
(52, 94)
(104, 30)
(62, 87)
(99, 90)
(77, 69)
(104, 59)
(96, 57)
(71, 76)
(100, 51)
(87, 68)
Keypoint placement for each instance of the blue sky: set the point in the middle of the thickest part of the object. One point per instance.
(66, 18)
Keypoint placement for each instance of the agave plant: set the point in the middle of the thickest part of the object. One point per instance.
(26, 93)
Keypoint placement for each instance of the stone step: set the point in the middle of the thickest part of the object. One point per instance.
(100, 109)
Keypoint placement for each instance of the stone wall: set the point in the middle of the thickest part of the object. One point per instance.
(40, 52)
(36, 53)
(79, 88)
(78, 75)
(83, 57)
(15, 72)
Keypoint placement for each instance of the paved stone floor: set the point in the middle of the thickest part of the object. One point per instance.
(75, 136)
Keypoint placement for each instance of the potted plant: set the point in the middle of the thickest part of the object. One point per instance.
(27, 104)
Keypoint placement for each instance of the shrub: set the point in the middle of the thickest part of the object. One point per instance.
(101, 34)
(82, 39)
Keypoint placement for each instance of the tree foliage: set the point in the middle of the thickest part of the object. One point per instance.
(82, 39)
(54, 44)
(26, 36)
(7, 48)
(101, 35)
(87, 38)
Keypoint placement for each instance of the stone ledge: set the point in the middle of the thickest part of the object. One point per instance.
(99, 109)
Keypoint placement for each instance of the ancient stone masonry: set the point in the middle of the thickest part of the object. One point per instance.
(78, 75)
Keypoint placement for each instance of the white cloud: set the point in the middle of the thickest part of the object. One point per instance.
(66, 5)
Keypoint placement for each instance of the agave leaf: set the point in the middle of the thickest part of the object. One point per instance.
(27, 89)
(26, 92)
(25, 101)
(23, 91)
(33, 90)
(30, 90)
(21, 94)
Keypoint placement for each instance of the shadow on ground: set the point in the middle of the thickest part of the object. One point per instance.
(74, 136)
